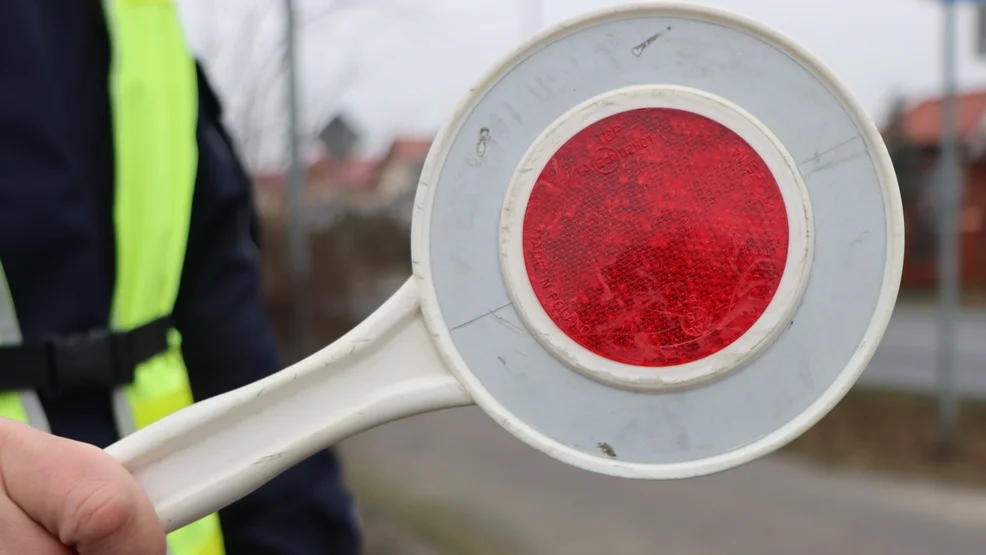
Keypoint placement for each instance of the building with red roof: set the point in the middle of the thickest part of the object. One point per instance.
(913, 136)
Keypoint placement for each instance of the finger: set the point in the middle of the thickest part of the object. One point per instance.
(20, 534)
(77, 492)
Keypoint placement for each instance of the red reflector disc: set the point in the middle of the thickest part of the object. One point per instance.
(655, 237)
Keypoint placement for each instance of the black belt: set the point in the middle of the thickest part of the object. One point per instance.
(100, 359)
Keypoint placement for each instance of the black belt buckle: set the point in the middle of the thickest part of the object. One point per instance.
(97, 360)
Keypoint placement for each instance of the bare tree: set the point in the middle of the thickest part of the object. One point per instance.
(250, 68)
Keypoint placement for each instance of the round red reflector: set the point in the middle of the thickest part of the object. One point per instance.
(655, 237)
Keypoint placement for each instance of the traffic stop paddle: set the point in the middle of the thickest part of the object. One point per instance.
(655, 241)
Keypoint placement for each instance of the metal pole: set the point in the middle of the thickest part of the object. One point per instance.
(948, 258)
(298, 255)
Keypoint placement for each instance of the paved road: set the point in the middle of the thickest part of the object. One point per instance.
(776, 506)
(907, 357)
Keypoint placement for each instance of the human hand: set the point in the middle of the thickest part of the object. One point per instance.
(57, 495)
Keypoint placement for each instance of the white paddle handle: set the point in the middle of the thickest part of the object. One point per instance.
(203, 458)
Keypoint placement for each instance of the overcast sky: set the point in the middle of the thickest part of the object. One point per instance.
(416, 58)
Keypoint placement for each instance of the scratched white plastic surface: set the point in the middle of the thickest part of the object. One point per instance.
(451, 335)
(742, 414)
(207, 456)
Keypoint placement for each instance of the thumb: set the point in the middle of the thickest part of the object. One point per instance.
(78, 492)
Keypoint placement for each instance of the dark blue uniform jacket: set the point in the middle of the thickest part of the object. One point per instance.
(56, 246)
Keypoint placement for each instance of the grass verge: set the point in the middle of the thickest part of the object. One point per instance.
(970, 298)
(896, 432)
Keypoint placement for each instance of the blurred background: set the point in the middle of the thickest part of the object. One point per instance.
(897, 468)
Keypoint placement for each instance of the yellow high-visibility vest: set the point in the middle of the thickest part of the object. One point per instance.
(154, 98)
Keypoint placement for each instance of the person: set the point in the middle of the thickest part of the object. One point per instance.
(129, 279)
(92, 505)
